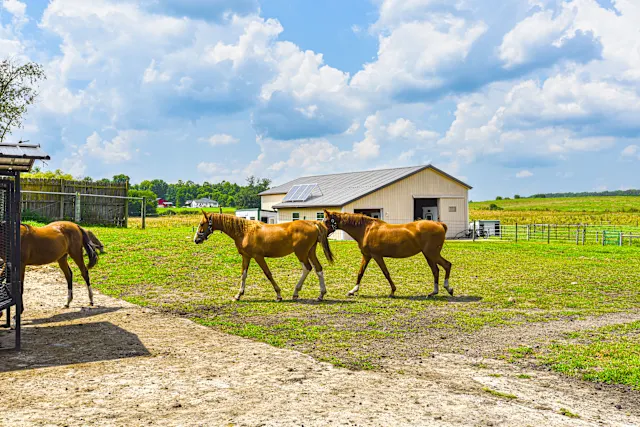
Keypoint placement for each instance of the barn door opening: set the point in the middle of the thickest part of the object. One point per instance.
(425, 209)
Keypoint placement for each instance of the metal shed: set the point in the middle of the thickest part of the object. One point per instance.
(14, 159)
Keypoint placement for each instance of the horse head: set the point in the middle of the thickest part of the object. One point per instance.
(331, 221)
(204, 229)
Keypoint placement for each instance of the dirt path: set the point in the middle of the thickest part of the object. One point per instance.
(119, 364)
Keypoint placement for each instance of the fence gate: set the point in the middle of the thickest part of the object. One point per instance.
(14, 158)
(10, 289)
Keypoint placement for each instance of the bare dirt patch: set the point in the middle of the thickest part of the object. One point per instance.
(119, 364)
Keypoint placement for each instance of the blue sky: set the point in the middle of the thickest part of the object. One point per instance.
(512, 97)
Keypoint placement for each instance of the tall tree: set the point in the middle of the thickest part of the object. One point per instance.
(121, 178)
(17, 92)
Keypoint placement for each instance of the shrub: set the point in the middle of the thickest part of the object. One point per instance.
(494, 207)
(517, 196)
(499, 198)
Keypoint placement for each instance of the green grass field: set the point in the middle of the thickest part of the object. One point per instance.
(497, 285)
(561, 210)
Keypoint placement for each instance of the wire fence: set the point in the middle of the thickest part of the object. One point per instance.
(578, 234)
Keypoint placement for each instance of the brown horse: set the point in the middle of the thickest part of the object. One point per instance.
(56, 242)
(258, 240)
(378, 240)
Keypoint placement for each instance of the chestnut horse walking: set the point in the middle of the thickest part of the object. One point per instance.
(257, 240)
(56, 242)
(378, 240)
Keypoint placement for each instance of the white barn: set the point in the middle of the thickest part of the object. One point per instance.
(396, 195)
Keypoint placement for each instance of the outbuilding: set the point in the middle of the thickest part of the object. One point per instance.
(265, 215)
(396, 196)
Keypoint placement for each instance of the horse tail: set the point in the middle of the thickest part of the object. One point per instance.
(88, 246)
(323, 238)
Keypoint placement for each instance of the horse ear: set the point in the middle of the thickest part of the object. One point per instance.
(204, 213)
(326, 212)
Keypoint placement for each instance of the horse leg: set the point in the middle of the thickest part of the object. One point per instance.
(243, 279)
(447, 268)
(316, 264)
(436, 276)
(263, 264)
(79, 260)
(306, 268)
(383, 267)
(64, 266)
(363, 267)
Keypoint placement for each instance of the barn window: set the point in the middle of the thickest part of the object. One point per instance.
(295, 216)
(452, 209)
(319, 216)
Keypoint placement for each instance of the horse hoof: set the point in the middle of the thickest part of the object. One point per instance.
(295, 297)
(66, 306)
(90, 304)
(431, 295)
(279, 299)
(236, 298)
(350, 294)
(392, 296)
(320, 299)
(450, 291)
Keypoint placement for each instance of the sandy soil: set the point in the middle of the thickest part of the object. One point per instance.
(119, 364)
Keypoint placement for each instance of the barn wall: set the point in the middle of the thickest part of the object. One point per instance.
(286, 215)
(456, 221)
(396, 200)
(269, 200)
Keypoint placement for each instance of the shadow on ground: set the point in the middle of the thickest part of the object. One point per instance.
(59, 345)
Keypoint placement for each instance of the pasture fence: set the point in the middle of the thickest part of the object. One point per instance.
(577, 234)
(79, 201)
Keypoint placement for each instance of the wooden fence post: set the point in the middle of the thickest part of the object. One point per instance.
(516, 232)
(474, 231)
(144, 211)
(78, 210)
(62, 199)
(528, 231)
(620, 239)
(548, 234)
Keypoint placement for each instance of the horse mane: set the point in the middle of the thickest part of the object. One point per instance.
(234, 224)
(356, 219)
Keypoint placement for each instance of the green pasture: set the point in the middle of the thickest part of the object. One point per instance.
(567, 204)
(497, 285)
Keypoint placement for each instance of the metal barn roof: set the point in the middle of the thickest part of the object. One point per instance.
(20, 157)
(342, 188)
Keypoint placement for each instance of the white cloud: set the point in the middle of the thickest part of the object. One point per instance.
(212, 170)
(524, 174)
(403, 128)
(369, 147)
(541, 29)
(220, 139)
(119, 149)
(15, 7)
(415, 53)
(631, 151)
(151, 74)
